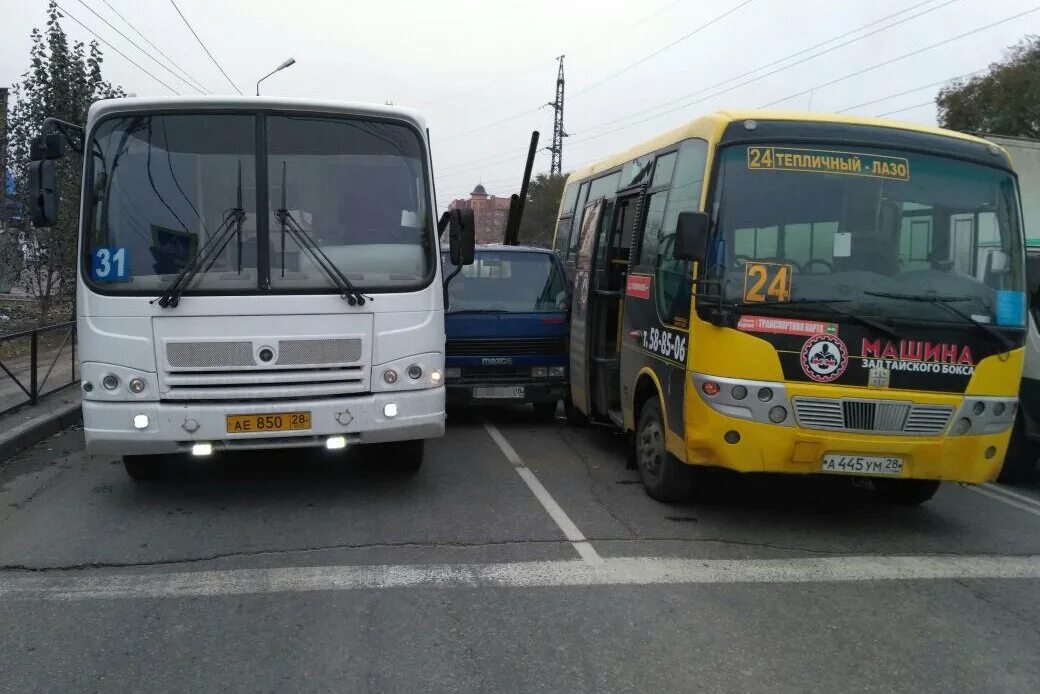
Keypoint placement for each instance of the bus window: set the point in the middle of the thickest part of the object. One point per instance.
(575, 237)
(561, 240)
(635, 171)
(663, 170)
(685, 194)
(605, 186)
(652, 230)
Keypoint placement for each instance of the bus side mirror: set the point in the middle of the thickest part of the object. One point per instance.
(462, 237)
(1033, 275)
(47, 147)
(691, 236)
(43, 193)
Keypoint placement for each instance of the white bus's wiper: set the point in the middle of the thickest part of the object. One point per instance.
(829, 303)
(207, 255)
(946, 303)
(304, 240)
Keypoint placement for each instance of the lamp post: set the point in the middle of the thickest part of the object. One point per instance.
(287, 63)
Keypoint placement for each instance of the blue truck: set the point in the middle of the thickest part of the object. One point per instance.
(506, 327)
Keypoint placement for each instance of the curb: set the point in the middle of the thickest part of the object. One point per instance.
(35, 430)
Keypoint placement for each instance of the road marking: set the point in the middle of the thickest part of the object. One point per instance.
(627, 571)
(987, 491)
(1013, 494)
(563, 521)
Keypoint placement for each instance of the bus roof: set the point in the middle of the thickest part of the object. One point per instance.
(710, 127)
(252, 103)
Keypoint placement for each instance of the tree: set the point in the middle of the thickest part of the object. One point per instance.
(1004, 101)
(62, 81)
(543, 202)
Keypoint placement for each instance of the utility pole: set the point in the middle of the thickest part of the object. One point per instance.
(556, 166)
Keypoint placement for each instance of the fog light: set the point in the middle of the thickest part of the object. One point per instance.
(140, 421)
(765, 394)
(777, 414)
(390, 409)
(998, 408)
(557, 371)
(731, 436)
(962, 425)
(435, 376)
(336, 442)
(415, 372)
(110, 381)
(739, 392)
(710, 388)
(202, 449)
(452, 372)
(539, 372)
(136, 385)
(978, 408)
(990, 452)
(390, 376)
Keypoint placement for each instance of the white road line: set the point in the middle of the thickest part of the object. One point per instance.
(1028, 508)
(1013, 494)
(570, 530)
(627, 571)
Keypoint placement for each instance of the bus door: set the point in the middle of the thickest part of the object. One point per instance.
(581, 300)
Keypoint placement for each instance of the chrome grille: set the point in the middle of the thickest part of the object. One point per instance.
(332, 351)
(883, 416)
(199, 355)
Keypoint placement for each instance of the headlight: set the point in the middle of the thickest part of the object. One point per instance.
(110, 381)
(557, 371)
(961, 426)
(136, 385)
(539, 372)
(415, 372)
(390, 376)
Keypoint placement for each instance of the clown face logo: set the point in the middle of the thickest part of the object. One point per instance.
(824, 358)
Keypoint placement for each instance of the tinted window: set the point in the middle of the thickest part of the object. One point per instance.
(511, 282)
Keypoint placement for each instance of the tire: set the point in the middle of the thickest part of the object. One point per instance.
(1020, 461)
(906, 492)
(405, 457)
(665, 477)
(144, 468)
(545, 411)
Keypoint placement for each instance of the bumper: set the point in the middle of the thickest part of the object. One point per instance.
(791, 449)
(541, 391)
(109, 428)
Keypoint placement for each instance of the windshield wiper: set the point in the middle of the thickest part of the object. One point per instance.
(304, 240)
(946, 303)
(829, 303)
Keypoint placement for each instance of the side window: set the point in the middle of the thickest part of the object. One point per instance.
(636, 171)
(576, 223)
(686, 171)
(561, 240)
(652, 230)
(687, 181)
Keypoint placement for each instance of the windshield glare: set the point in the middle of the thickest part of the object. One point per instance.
(167, 189)
(511, 282)
(904, 223)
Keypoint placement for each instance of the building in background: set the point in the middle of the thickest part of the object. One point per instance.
(489, 214)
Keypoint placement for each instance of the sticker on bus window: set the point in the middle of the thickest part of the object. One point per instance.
(1011, 308)
(828, 161)
(767, 282)
(110, 264)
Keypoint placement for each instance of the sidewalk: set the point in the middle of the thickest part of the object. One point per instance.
(29, 425)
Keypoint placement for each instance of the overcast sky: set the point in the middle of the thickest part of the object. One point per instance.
(470, 64)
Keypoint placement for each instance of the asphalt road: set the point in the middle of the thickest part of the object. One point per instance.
(523, 557)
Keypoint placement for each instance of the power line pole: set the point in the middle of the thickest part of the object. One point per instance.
(556, 148)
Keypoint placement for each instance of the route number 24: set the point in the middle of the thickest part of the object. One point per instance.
(767, 282)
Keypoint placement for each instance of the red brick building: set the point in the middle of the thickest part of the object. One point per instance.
(489, 213)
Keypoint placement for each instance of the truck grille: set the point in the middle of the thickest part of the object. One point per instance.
(507, 347)
(488, 374)
(881, 416)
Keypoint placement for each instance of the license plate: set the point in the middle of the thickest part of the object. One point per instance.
(274, 421)
(499, 392)
(862, 465)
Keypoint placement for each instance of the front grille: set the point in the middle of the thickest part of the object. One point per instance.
(264, 384)
(333, 351)
(881, 416)
(494, 374)
(201, 355)
(507, 347)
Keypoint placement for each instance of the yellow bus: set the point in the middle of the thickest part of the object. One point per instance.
(799, 293)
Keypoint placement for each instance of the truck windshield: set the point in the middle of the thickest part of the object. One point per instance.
(850, 225)
(174, 190)
(507, 282)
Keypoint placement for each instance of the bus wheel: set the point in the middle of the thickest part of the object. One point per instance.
(402, 456)
(906, 492)
(1020, 461)
(144, 468)
(546, 411)
(665, 477)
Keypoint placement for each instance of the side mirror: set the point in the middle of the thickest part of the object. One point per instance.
(691, 236)
(1033, 275)
(43, 193)
(47, 147)
(462, 237)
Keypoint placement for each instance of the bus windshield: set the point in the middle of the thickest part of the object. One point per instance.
(507, 282)
(171, 191)
(798, 224)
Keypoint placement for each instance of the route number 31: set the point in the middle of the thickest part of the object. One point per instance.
(111, 264)
(767, 282)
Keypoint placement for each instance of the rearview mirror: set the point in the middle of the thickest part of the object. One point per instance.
(43, 193)
(47, 147)
(691, 236)
(462, 237)
(1033, 275)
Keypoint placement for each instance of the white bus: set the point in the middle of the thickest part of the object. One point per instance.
(256, 273)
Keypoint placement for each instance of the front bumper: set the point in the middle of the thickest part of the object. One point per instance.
(534, 392)
(109, 427)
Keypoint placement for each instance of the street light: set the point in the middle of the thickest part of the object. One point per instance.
(287, 63)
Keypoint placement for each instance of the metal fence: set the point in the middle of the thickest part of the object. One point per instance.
(35, 363)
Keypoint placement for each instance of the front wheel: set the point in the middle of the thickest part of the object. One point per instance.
(402, 456)
(144, 468)
(665, 477)
(906, 492)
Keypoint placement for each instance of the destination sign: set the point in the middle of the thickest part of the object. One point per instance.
(828, 161)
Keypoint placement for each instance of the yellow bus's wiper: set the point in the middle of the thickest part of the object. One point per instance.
(945, 302)
(829, 303)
